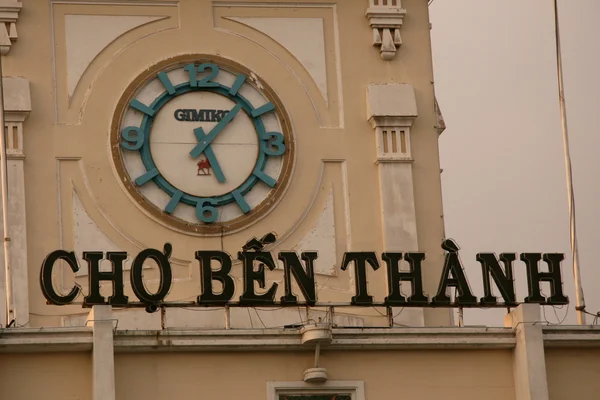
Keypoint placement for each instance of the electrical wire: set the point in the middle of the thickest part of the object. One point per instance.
(393, 316)
(259, 318)
(556, 314)
(596, 317)
(250, 316)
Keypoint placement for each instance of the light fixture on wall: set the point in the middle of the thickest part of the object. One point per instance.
(317, 334)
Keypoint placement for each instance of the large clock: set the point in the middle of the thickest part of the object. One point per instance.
(202, 144)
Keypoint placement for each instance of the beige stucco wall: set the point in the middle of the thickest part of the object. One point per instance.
(573, 373)
(74, 196)
(387, 375)
(52, 376)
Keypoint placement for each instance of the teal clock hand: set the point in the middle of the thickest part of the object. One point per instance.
(210, 155)
(200, 147)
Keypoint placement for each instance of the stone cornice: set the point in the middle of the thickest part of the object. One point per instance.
(33, 340)
(80, 339)
(571, 336)
(391, 121)
(290, 340)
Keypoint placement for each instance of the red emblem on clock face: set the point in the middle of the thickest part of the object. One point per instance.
(203, 167)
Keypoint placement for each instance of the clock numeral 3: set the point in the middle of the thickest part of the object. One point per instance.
(275, 145)
(206, 211)
(193, 71)
(132, 142)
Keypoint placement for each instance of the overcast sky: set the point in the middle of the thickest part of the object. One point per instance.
(502, 152)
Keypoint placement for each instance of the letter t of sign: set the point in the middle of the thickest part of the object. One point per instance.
(360, 260)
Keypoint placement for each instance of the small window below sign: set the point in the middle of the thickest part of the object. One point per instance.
(330, 390)
(328, 396)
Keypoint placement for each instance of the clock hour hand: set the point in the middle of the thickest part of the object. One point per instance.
(201, 146)
(210, 155)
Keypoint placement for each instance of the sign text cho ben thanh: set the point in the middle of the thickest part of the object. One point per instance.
(402, 269)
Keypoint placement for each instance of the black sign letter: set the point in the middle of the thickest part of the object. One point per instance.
(250, 276)
(361, 259)
(503, 279)
(395, 276)
(166, 275)
(535, 277)
(46, 278)
(208, 275)
(453, 265)
(93, 259)
(305, 279)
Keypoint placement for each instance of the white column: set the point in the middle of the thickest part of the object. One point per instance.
(391, 111)
(529, 361)
(103, 357)
(17, 106)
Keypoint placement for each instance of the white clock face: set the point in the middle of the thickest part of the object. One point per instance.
(203, 145)
(236, 148)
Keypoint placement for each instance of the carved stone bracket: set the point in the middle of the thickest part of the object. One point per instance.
(17, 106)
(9, 13)
(385, 18)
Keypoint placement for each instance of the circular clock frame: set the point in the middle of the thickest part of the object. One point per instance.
(168, 219)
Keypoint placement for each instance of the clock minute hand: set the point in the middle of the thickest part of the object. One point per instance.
(200, 147)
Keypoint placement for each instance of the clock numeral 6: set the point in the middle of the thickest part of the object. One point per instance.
(193, 71)
(206, 211)
(275, 145)
(132, 142)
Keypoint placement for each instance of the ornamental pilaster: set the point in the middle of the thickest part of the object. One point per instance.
(17, 106)
(391, 110)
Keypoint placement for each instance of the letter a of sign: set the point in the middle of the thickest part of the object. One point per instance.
(453, 266)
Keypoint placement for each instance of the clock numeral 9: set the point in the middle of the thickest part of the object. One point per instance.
(275, 145)
(193, 71)
(132, 142)
(206, 211)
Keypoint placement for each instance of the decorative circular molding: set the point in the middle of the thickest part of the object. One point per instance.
(203, 170)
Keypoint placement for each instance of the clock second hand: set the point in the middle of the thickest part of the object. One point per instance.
(210, 155)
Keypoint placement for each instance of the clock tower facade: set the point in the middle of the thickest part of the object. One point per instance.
(206, 124)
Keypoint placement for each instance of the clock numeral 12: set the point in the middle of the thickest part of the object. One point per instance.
(193, 71)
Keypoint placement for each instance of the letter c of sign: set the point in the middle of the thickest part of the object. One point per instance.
(180, 114)
(46, 277)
